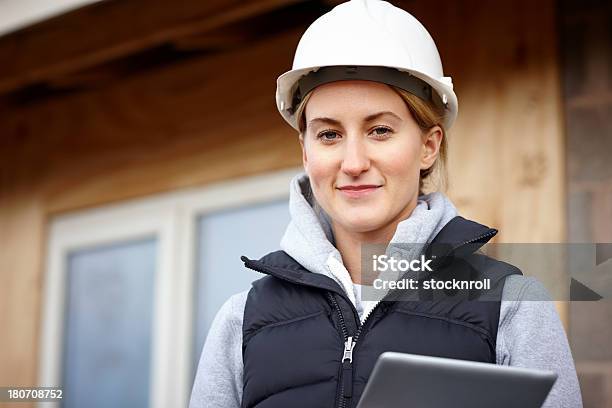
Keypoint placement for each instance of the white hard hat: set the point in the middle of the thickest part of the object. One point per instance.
(370, 40)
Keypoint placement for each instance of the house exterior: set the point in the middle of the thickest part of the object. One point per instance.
(140, 112)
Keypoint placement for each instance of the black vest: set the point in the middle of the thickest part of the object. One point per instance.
(298, 324)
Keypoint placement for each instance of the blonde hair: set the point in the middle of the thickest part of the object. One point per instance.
(426, 115)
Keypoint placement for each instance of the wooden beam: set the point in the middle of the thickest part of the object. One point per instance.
(212, 41)
(111, 29)
(202, 120)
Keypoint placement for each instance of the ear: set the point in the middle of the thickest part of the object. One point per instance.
(431, 146)
(304, 156)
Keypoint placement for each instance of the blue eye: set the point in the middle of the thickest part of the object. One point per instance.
(381, 131)
(327, 136)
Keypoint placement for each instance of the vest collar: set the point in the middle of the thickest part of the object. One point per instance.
(461, 235)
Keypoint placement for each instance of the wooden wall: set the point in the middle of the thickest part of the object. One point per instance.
(213, 117)
(586, 38)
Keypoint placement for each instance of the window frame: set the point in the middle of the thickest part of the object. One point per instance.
(172, 219)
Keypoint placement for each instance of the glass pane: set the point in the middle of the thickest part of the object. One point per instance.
(107, 349)
(223, 237)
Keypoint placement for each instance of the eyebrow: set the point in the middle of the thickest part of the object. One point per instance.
(379, 114)
(368, 118)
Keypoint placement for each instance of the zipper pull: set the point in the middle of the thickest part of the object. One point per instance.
(347, 368)
(348, 350)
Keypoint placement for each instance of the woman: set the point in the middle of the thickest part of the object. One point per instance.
(367, 96)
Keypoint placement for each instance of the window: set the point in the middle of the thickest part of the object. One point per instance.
(223, 237)
(108, 318)
(131, 288)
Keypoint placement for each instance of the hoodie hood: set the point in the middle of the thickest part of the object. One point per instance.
(309, 237)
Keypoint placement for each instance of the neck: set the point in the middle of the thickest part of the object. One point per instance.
(349, 242)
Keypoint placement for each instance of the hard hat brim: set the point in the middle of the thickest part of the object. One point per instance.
(286, 85)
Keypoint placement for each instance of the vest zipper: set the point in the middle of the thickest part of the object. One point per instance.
(346, 382)
(491, 233)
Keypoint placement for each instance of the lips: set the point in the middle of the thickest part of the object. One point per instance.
(359, 187)
(358, 191)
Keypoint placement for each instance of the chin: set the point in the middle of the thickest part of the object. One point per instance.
(362, 220)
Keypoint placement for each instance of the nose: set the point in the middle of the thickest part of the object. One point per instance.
(355, 160)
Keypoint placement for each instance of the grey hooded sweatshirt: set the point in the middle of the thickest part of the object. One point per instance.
(530, 333)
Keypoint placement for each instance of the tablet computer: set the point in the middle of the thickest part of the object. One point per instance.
(401, 380)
